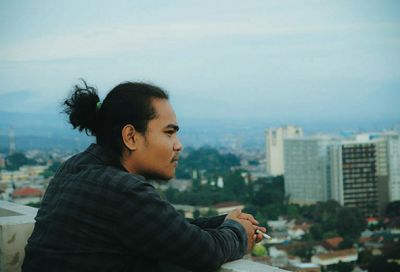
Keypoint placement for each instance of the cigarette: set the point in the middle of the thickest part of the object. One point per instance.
(266, 236)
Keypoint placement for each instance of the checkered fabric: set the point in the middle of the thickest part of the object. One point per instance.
(98, 217)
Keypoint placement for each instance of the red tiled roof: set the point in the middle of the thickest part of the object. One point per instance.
(27, 191)
(334, 242)
(363, 240)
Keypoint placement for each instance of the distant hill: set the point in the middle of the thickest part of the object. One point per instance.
(47, 130)
(33, 123)
(40, 131)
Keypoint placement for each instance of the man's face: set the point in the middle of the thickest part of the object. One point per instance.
(157, 151)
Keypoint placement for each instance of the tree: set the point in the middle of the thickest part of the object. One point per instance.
(350, 223)
(206, 158)
(343, 267)
(380, 263)
(235, 185)
(393, 209)
(364, 259)
(196, 213)
(16, 160)
(51, 170)
(347, 242)
(259, 250)
(304, 251)
(316, 231)
(329, 234)
(292, 211)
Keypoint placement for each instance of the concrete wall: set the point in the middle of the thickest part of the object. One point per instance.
(246, 265)
(16, 225)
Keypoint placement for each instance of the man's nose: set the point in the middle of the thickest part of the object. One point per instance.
(178, 145)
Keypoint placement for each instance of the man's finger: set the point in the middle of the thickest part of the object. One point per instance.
(249, 217)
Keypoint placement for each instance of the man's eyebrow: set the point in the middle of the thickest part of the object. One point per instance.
(173, 126)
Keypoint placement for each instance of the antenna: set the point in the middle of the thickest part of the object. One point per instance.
(11, 141)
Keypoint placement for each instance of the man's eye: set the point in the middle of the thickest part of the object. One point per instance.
(170, 132)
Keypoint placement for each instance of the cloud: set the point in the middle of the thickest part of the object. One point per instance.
(118, 39)
(25, 101)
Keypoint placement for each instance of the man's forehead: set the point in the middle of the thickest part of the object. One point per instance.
(163, 108)
(165, 115)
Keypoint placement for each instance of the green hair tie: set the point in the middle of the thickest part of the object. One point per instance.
(98, 105)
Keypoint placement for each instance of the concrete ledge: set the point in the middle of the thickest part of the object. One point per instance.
(16, 225)
(248, 266)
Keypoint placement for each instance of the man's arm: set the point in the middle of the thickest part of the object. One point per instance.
(151, 227)
(208, 222)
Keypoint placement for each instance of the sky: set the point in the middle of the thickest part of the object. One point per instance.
(281, 61)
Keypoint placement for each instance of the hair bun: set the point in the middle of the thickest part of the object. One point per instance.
(82, 109)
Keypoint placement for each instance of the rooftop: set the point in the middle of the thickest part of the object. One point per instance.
(337, 253)
(27, 191)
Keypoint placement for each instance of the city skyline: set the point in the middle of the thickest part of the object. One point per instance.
(281, 61)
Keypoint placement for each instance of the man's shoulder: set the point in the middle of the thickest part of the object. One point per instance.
(122, 178)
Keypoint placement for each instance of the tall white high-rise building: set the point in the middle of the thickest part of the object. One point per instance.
(307, 165)
(393, 150)
(274, 147)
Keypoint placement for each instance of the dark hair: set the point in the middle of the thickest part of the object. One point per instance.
(127, 103)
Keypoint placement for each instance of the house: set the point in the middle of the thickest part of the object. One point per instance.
(298, 230)
(280, 225)
(188, 211)
(276, 252)
(27, 195)
(372, 221)
(278, 237)
(305, 267)
(334, 257)
(226, 207)
(332, 243)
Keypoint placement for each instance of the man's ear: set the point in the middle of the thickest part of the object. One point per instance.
(128, 136)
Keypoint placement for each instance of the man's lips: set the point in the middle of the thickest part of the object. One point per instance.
(175, 159)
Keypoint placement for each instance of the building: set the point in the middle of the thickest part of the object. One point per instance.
(359, 174)
(297, 231)
(274, 147)
(190, 211)
(24, 173)
(27, 195)
(307, 169)
(226, 207)
(393, 148)
(334, 257)
(332, 243)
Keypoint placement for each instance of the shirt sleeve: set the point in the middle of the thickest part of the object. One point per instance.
(208, 222)
(151, 227)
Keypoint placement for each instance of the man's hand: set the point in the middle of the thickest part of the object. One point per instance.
(250, 224)
(258, 236)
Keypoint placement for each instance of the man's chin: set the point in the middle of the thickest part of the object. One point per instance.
(159, 178)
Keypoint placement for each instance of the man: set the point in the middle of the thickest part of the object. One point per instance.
(99, 213)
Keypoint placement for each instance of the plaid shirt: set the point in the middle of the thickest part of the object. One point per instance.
(97, 217)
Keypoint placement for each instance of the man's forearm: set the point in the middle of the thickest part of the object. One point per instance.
(208, 222)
